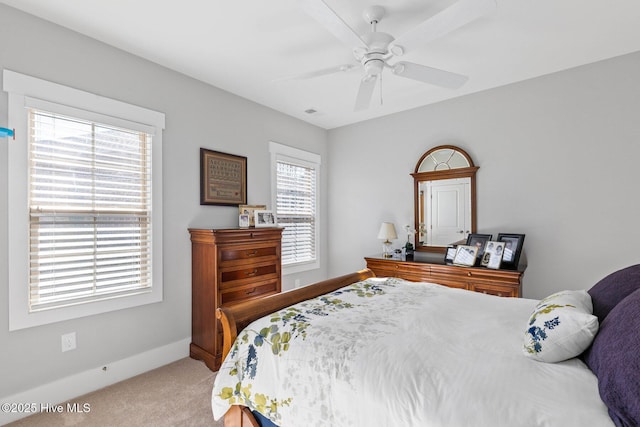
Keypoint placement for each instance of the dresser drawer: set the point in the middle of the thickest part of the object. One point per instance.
(497, 290)
(254, 271)
(399, 269)
(246, 253)
(475, 274)
(249, 291)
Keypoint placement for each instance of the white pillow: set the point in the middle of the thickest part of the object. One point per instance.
(561, 327)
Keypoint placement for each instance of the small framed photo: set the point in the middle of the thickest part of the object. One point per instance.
(249, 210)
(492, 256)
(512, 249)
(450, 255)
(466, 255)
(243, 221)
(264, 218)
(479, 240)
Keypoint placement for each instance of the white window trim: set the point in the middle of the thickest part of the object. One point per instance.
(304, 158)
(26, 91)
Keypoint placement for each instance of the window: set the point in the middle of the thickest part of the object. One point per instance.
(295, 188)
(85, 203)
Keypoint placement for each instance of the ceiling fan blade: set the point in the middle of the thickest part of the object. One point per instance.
(343, 68)
(451, 18)
(365, 93)
(326, 16)
(429, 75)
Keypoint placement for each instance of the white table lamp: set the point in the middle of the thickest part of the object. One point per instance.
(387, 233)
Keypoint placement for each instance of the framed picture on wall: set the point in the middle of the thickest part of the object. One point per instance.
(512, 249)
(223, 178)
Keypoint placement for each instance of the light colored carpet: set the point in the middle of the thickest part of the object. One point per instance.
(178, 394)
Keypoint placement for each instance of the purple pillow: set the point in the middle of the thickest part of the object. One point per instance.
(608, 292)
(614, 357)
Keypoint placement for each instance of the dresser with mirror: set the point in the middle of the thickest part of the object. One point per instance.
(445, 214)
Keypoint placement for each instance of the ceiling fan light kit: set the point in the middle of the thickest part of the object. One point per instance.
(374, 49)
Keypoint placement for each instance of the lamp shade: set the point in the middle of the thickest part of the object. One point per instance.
(387, 231)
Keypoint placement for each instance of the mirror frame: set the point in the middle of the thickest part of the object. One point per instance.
(418, 177)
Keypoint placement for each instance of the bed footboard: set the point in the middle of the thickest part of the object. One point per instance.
(236, 317)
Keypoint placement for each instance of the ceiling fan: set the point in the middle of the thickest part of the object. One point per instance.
(374, 50)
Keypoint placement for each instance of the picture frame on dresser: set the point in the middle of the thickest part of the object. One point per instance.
(493, 252)
(264, 218)
(466, 255)
(250, 210)
(480, 241)
(512, 249)
(450, 254)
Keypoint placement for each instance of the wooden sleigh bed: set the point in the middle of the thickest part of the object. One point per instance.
(609, 369)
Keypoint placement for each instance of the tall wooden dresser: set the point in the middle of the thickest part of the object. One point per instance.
(228, 266)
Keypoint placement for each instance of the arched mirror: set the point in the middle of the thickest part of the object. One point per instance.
(444, 198)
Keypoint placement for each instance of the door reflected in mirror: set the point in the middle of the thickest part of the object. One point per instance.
(444, 198)
(447, 208)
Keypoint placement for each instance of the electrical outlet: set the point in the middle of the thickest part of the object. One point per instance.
(68, 341)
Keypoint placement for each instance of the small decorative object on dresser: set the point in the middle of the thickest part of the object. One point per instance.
(512, 249)
(408, 247)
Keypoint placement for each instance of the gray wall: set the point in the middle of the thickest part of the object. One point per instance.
(557, 156)
(558, 159)
(197, 115)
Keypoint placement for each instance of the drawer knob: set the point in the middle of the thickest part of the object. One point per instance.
(250, 292)
(469, 273)
(251, 273)
(251, 253)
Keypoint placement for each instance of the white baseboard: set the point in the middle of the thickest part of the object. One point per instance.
(85, 382)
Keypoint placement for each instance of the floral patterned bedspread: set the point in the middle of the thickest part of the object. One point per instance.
(386, 352)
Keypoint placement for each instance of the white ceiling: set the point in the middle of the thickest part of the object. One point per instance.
(245, 46)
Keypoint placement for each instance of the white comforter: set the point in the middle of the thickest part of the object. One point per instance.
(386, 352)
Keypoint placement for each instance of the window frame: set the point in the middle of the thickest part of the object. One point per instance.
(281, 152)
(29, 92)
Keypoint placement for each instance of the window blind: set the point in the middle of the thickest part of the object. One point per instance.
(296, 211)
(89, 211)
